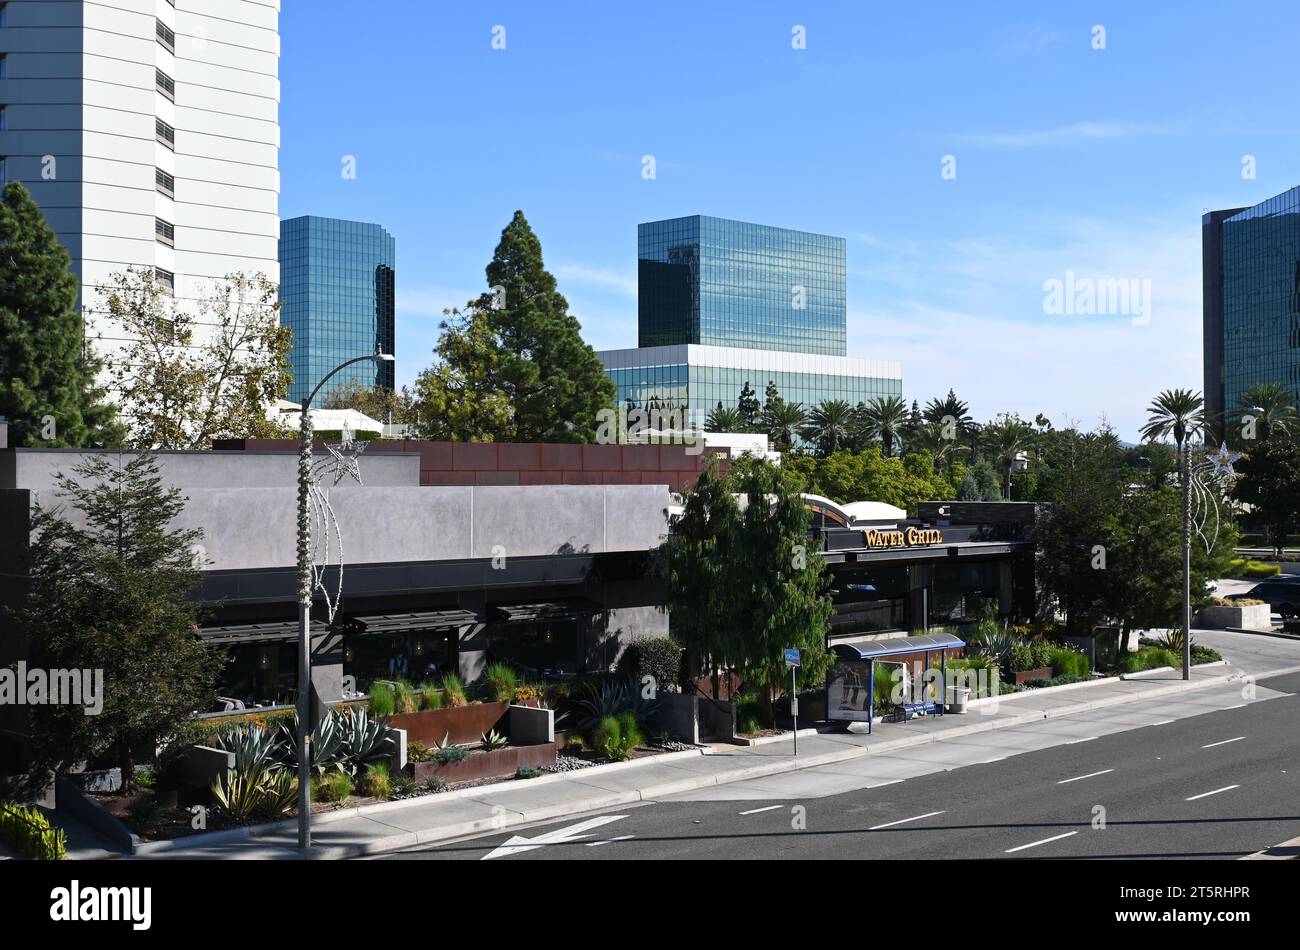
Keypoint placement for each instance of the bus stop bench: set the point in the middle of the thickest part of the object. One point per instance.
(907, 710)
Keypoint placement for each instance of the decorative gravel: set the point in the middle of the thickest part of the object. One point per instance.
(567, 763)
(672, 745)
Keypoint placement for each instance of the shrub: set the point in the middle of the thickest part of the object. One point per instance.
(431, 696)
(453, 689)
(1247, 567)
(383, 700)
(146, 812)
(1204, 654)
(435, 784)
(29, 832)
(404, 786)
(527, 771)
(334, 787)
(1149, 659)
(1067, 662)
(612, 739)
(659, 658)
(449, 754)
(527, 692)
(575, 742)
(376, 782)
(405, 698)
(416, 751)
(501, 681)
(749, 716)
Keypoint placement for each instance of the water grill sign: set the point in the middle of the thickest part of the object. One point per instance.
(905, 538)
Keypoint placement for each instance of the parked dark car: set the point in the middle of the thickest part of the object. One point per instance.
(1280, 593)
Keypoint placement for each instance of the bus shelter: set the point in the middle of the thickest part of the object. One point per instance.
(850, 682)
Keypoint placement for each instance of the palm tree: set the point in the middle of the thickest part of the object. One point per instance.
(784, 420)
(723, 419)
(830, 425)
(1180, 413)
(933, 437)
(949, 411)
(1272, 407)
(882, 418)
(1006, 437)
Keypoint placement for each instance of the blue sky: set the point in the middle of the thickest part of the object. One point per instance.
(1098, 162)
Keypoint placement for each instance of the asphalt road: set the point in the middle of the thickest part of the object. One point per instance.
(1218, 785)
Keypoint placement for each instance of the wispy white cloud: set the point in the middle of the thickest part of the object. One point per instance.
(624, 283)
(1064, 135)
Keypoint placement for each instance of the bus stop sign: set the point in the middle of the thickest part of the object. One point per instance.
(791, 657)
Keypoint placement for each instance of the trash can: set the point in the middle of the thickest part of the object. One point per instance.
(957, 698)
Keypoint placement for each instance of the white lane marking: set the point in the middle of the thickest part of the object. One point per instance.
(597, 844)
(883, 784)
(1226, 788)
(755, 811)
(1035, 844)
(1162, 722)
(517, 844)
(991, 761)
(1224, 742)
(1238, 706)
(1077, 778)
(1077, 741)
(903, 821)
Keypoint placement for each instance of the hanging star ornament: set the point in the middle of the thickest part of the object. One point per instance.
(1222, 460)
(345, 456)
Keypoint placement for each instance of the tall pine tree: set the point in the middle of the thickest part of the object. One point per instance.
(48, 388)
(519, 354)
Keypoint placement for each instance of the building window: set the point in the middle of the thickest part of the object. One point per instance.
(4, 66)
(165, 278)
(164, 232)
(165, 84)
(165, 134)
(4, 176)
(166, 37)
(4, 15)
(4, 121)
(166, 183)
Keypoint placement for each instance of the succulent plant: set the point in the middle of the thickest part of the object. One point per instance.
(493, 740)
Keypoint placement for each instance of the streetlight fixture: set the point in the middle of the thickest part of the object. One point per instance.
(305, 586)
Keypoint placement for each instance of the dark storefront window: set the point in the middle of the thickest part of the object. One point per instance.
(870, 600)
(539, 650)
(960, 592)
(410, 656)
(261, 674)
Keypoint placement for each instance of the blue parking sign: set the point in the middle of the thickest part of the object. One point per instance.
(791, 657)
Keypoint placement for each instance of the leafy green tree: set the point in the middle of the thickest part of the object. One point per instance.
(520, 350)
(48, 388)
(1270, 483)
(951, 411)
(110, 591)
(377, 402)
(195, 373)
(749, 409)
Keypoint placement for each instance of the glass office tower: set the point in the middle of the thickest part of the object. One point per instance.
(713, 282)
(724, 303)
(1252, 300)
(337, 287)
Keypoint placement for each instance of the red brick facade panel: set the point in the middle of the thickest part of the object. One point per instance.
(474, 456)
(602, 458)
(519, 457)
(562, 458)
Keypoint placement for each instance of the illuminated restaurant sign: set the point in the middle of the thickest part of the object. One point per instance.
(905, 538)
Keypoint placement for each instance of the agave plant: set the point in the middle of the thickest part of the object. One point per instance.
(364, 740)
(991, 640)
(493, 740)
(243, 797)
(279, 793)
(613, 698)
(257, 751)
(327, 749)
(445, 743)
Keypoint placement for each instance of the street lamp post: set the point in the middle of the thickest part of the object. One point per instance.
(1186, 474)
(305, 587)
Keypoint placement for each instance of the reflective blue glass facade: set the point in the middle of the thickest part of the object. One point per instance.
(717, 282)
(1258, 301)
(337, 286)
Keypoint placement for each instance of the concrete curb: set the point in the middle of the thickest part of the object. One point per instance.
(1286, 851)
(509, 818)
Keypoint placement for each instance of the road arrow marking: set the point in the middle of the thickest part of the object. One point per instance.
(518, 845)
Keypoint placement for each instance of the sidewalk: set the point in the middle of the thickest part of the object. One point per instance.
(397, 825)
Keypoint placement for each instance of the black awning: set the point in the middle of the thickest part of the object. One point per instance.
(280, 631)
(416, 622)
(537, 613)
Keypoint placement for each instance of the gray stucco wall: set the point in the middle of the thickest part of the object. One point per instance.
(35, 468)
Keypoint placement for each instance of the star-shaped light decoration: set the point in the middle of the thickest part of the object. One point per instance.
(345, 455)
(1221, 462)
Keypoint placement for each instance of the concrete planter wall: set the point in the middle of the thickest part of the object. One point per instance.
(1249, 617)
(487, 764)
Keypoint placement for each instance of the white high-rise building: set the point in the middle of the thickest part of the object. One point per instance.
(148, 132)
